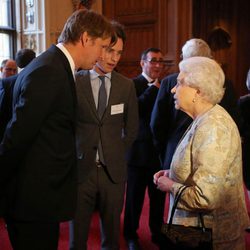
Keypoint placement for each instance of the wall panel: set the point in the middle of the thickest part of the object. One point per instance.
(149, 23)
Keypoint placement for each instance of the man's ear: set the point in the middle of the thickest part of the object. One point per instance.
(142, 63)
(85, 38)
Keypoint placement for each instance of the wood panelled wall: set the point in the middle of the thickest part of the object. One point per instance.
(231, 18)
(151, 23)
(167, 24)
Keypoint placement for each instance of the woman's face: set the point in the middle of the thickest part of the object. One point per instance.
(184, 95)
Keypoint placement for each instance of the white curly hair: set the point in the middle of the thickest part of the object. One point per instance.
(206, 75)
(196, 47)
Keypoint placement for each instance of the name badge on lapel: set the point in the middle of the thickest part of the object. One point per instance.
(117, 109)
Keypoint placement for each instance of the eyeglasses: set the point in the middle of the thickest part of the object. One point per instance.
(153, 61)
(10, 69)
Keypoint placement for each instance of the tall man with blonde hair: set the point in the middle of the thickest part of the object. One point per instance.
(37, 154)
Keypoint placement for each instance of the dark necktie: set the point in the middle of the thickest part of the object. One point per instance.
(102, 101)
(102, 97)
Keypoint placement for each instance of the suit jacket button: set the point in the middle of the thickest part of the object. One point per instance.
(80, 156)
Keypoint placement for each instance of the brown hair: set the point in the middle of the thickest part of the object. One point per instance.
(24, 57)
(96, 25)
(119, 32)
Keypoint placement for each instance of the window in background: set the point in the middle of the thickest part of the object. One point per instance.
(7, 29)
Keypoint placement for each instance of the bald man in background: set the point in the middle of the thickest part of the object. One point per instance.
(8, 68)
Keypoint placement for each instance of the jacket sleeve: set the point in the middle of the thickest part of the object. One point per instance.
(215, 167)
(146, 101)
(33, 99)
(131, 119)
(160, 116)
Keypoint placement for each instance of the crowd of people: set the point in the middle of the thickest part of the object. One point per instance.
(76, 135)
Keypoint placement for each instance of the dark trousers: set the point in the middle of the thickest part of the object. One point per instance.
(140, 178)
(98, 192)
(32, 235)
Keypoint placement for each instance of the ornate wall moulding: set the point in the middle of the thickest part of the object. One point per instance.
(30, 42)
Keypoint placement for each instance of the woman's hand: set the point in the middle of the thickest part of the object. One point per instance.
(163, 182)
(158, 175)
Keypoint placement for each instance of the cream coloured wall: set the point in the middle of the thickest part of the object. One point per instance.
(56, 14)
(39, 22)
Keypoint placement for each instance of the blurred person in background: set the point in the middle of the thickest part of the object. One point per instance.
(244, 106)
(8, 68)
(23, 58)
(143, 160)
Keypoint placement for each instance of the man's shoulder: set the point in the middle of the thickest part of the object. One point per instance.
(169, 81)
(171, 77)
(82, 74)
(244, 100)
(116, 75)
(6, 82)
(139, 79)
(53, 57)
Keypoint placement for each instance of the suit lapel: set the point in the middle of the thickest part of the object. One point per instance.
(114, 90)
(67, 67)
(84, 90)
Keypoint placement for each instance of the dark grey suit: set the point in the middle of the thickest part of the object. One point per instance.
(117, 131)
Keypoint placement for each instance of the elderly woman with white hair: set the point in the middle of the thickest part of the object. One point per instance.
(208, 158)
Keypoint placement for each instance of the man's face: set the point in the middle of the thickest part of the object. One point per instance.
(9, 69)
(153, 65)
(94, 49)
(110, 58)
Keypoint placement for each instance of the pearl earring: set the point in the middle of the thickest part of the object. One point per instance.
(194, 100)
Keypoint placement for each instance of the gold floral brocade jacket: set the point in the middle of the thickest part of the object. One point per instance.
(208, 160)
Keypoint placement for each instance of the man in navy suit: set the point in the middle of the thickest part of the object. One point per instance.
(143, 160)
(168, 124)
(244, 106)
(23, 58)
(37, 153)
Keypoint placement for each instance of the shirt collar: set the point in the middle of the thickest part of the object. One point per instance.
(94, 74)
(69, 57)
(149, 79)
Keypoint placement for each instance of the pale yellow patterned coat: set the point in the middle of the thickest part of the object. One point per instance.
(208, 159)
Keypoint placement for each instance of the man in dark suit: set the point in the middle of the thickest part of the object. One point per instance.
(244, 106)
(102, 140)
(143, 160)
(37, 154)
(168, 124)
(23, 58)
